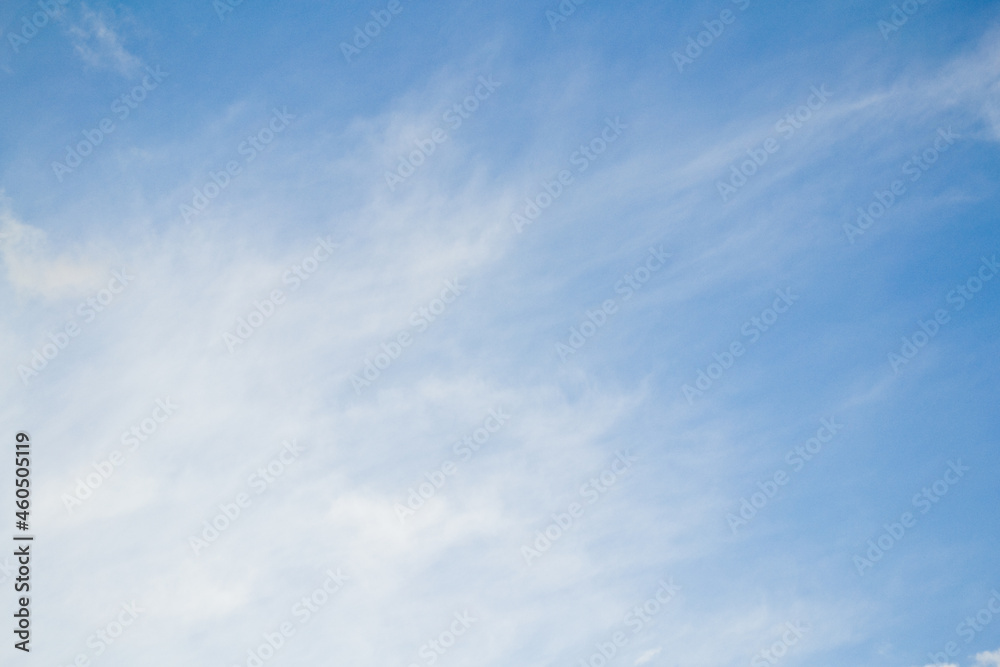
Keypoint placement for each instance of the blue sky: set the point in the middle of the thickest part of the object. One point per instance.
(618, 293)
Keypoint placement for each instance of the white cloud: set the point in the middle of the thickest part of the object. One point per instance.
(33, 270)
(97, 41)
(988, 659)
(983, 659)
(336, 507)
(648, 655)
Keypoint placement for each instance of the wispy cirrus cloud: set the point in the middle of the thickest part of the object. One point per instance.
(97, 38)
